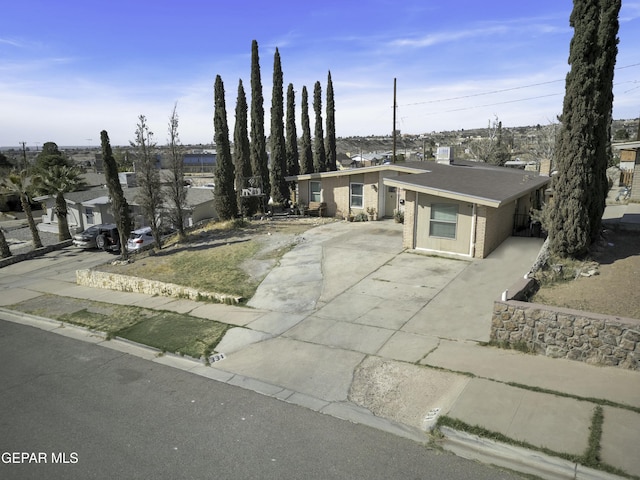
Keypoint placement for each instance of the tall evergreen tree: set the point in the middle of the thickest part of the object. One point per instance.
(605, 64)
(293, 164)
(177, 188)
(306, 160)
(259, 157)
(319, 154)
(580, 150)
(331, 128)
(150, 195)
(224, 193)
(242, 154)
(119, 205)
(279, 187)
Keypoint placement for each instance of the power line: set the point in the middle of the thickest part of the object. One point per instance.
(481, 94)
(493, 92)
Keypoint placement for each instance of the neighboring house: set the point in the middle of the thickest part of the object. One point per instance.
(630, 161)
(77, 216)
(93, 207)
(199, 162)
(460, 208)
(629, 154)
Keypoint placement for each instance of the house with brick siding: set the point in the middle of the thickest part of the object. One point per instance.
(458, 208)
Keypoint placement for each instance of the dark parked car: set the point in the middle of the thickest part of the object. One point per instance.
(108, 239)
(87, 239)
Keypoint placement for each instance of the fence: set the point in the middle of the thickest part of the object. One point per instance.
(524, 226)
(626, 177)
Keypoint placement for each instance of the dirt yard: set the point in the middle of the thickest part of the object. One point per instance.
(613, 290)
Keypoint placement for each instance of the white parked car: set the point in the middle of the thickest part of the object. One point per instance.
(140, 238)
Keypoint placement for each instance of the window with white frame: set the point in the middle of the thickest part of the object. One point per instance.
(315, 189)
(357, 195)
(444, 220)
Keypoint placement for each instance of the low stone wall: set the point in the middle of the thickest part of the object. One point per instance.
(125, 283)
(33, 253)
(564, 333)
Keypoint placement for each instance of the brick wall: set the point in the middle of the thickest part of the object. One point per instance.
(408, 231)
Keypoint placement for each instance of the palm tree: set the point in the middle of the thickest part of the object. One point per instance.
(56, 181)
(4, 246)
(19, 183)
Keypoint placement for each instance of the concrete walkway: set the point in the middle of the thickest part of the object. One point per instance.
(351, 325)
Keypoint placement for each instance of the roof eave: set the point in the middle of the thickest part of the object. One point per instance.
(438, 192)
(354, 171)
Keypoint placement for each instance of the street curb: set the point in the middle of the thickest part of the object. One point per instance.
(462, 444)
(342, 410)
(491, 452)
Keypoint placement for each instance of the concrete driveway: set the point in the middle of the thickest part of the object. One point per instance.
(347, 303)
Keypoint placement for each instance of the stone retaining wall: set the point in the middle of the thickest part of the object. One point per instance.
(33, 253)
(565, 333)
(124, 283)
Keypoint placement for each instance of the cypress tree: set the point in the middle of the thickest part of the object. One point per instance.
(279, 187)
(605, 64)
(119, 205)
(306, 161)
(331, 128)
(579, 191)
(259, 158)
(319, 155)
(293, 164)
(223, 194)
(242, 154)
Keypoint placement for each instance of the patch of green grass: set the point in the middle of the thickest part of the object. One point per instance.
(177, 333)
(100, 321)
(591, 457)
(216, 269)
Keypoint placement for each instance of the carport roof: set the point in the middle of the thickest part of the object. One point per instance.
(471, 181)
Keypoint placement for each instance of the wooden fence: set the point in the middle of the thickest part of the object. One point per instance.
(626, 177)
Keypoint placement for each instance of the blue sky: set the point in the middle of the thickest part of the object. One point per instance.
(69, 69)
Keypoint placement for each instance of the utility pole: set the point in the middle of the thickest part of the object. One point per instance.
(395, 106)
(24, 155)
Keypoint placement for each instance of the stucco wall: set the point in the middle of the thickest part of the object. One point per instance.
(335, 192)
(495, 226)
(458, 245)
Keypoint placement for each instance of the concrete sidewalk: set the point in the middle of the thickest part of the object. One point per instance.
(352, 325)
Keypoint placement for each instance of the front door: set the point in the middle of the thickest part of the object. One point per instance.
(390, 201)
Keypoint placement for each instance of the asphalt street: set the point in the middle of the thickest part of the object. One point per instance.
(111, 415)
